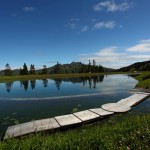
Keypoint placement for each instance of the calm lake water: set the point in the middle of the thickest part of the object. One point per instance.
(38, 99)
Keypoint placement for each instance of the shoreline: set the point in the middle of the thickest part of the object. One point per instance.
(138, 89)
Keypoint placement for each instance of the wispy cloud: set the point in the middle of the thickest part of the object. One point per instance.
(142, 46)
(28, 9)
(109, 25)
(107, 57)
(72, 23)
(112, 57)
(111, 6)
(14, 15)
(85, 29)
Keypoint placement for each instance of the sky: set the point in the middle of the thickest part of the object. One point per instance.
(115, 33)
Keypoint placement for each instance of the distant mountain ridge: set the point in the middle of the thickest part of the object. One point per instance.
(74, 67)
(77, 67)
(139, 66)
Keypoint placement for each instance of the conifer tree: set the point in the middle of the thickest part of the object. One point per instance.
(32, 69)
(25, 70)
(44, 70)
(8, 71)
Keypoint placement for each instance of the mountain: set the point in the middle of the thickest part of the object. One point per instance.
(74, 67)
(139, 66)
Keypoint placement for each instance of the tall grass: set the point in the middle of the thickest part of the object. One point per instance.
(144, 80)
(125, 133)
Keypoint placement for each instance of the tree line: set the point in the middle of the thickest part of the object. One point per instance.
(74, 67)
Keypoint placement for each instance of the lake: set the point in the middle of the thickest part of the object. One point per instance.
(23, 101)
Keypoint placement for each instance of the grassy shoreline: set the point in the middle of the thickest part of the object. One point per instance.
(143, 77)
(51, 76)
(115, 133)
(144, 80)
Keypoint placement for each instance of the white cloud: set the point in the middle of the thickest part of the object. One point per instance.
(140, 57)
(142, 46)
(113, 58)
(108, 25)
(85, 29)
(111, 6)
(72, 23)
(28, 9)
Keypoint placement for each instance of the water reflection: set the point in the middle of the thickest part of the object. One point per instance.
(8, 86)
(33, 84)
(45, 82)
(91, 82)
(24, 84)
(58, 83)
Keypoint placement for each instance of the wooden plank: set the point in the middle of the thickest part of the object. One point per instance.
(101, 112)
(46, 124)
(17, 130)
(87, 116)
(9, 133)
(25, 128)
(68, 120)
(116, 107)
(133, 100)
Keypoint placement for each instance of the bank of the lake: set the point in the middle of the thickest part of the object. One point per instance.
(51, 76)
(144, 80)
(118, 132)
(143, 77)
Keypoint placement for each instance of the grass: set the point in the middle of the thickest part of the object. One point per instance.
(49, 76)
(144, 80)
(120, 132)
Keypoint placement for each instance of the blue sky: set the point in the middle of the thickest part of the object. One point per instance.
(115, 33)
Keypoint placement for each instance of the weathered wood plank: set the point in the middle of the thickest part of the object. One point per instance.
(26, 128)
(30, 127)
(9, 133)
(134, 99)
(68, 120)
(116, 107)
(87, 116)
(19, 130)
(101, 112)
(46, 124)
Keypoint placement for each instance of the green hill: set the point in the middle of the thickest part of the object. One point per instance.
(74, 67)
(139, 66)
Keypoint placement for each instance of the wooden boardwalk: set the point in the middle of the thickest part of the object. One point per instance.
(116, 107)
(75, 119)
(134, 99)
